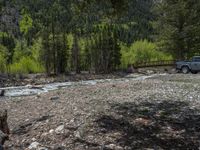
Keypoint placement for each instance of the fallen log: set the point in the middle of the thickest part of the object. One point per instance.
(4, 129)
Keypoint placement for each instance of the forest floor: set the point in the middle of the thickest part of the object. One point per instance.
(162, 112)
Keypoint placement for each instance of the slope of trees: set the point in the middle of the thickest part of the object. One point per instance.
(178, 27)
(72, 35)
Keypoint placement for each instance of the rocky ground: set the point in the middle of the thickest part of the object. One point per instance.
(162, 112)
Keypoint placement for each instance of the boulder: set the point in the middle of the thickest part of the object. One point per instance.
(2, 92)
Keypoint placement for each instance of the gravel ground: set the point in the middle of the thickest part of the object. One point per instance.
(162, 112)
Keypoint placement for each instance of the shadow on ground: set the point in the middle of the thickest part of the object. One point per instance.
(159, 125)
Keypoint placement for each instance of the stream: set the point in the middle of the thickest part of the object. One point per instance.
(29, 90)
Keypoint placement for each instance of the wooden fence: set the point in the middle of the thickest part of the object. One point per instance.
(144, 64)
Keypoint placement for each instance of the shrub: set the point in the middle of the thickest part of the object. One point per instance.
(2, 59)
(142, 51)
(27, 59)
(26, 65)
(2, 64)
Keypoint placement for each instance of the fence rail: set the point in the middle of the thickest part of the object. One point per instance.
(154, 63)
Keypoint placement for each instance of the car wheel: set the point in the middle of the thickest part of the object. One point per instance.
(185, 70)
(194, 72)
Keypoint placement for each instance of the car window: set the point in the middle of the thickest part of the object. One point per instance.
(196, 59)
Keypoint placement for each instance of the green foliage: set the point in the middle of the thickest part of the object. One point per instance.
(9, 44)
(27, 59)
(2, 59)
(105, 54)
(26, 65)
(20, 50)
(142, 51)
(178, 27)
(2, 64)
(81, 35)
(26, 22)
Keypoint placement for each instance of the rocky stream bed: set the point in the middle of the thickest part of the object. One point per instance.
(144, 112)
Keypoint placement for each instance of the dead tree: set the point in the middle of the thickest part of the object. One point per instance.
(4, 129)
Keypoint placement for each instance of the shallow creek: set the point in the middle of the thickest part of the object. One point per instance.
(38, 89)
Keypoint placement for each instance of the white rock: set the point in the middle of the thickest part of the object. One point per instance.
(59, 129)
(44, 134)
(24, 140)
(77, 134)
(42, 148)
(34, 145)
(114, 147)
(51, 131)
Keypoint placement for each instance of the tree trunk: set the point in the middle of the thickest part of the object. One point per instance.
(76, 55)
(4, 130)
(54, 46)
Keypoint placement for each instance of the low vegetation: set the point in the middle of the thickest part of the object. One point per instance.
(142, 51)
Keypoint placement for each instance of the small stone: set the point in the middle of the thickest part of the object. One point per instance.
(44, 134)
(113, 85)
(114, 147)
(33, 145)
(111, 146)
(38, 96)
(51, 131)
(77, 135)
(42, 148)
(24, 140)
(54, 98)
(59, 129)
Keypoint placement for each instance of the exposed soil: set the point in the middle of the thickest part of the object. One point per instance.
(158, 113)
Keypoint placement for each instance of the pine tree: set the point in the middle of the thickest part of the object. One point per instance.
(178, 27)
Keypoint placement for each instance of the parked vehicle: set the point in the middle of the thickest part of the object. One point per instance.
(192, 66)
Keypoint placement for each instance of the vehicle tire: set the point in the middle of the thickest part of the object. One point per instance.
(185, 69)
(194, 72)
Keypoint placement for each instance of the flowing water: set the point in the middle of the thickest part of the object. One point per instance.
(34, 90)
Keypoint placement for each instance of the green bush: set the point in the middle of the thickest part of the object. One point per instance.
(141, 51)
(26, 65)
(27, 59)
(2, 59)
(2, 64)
